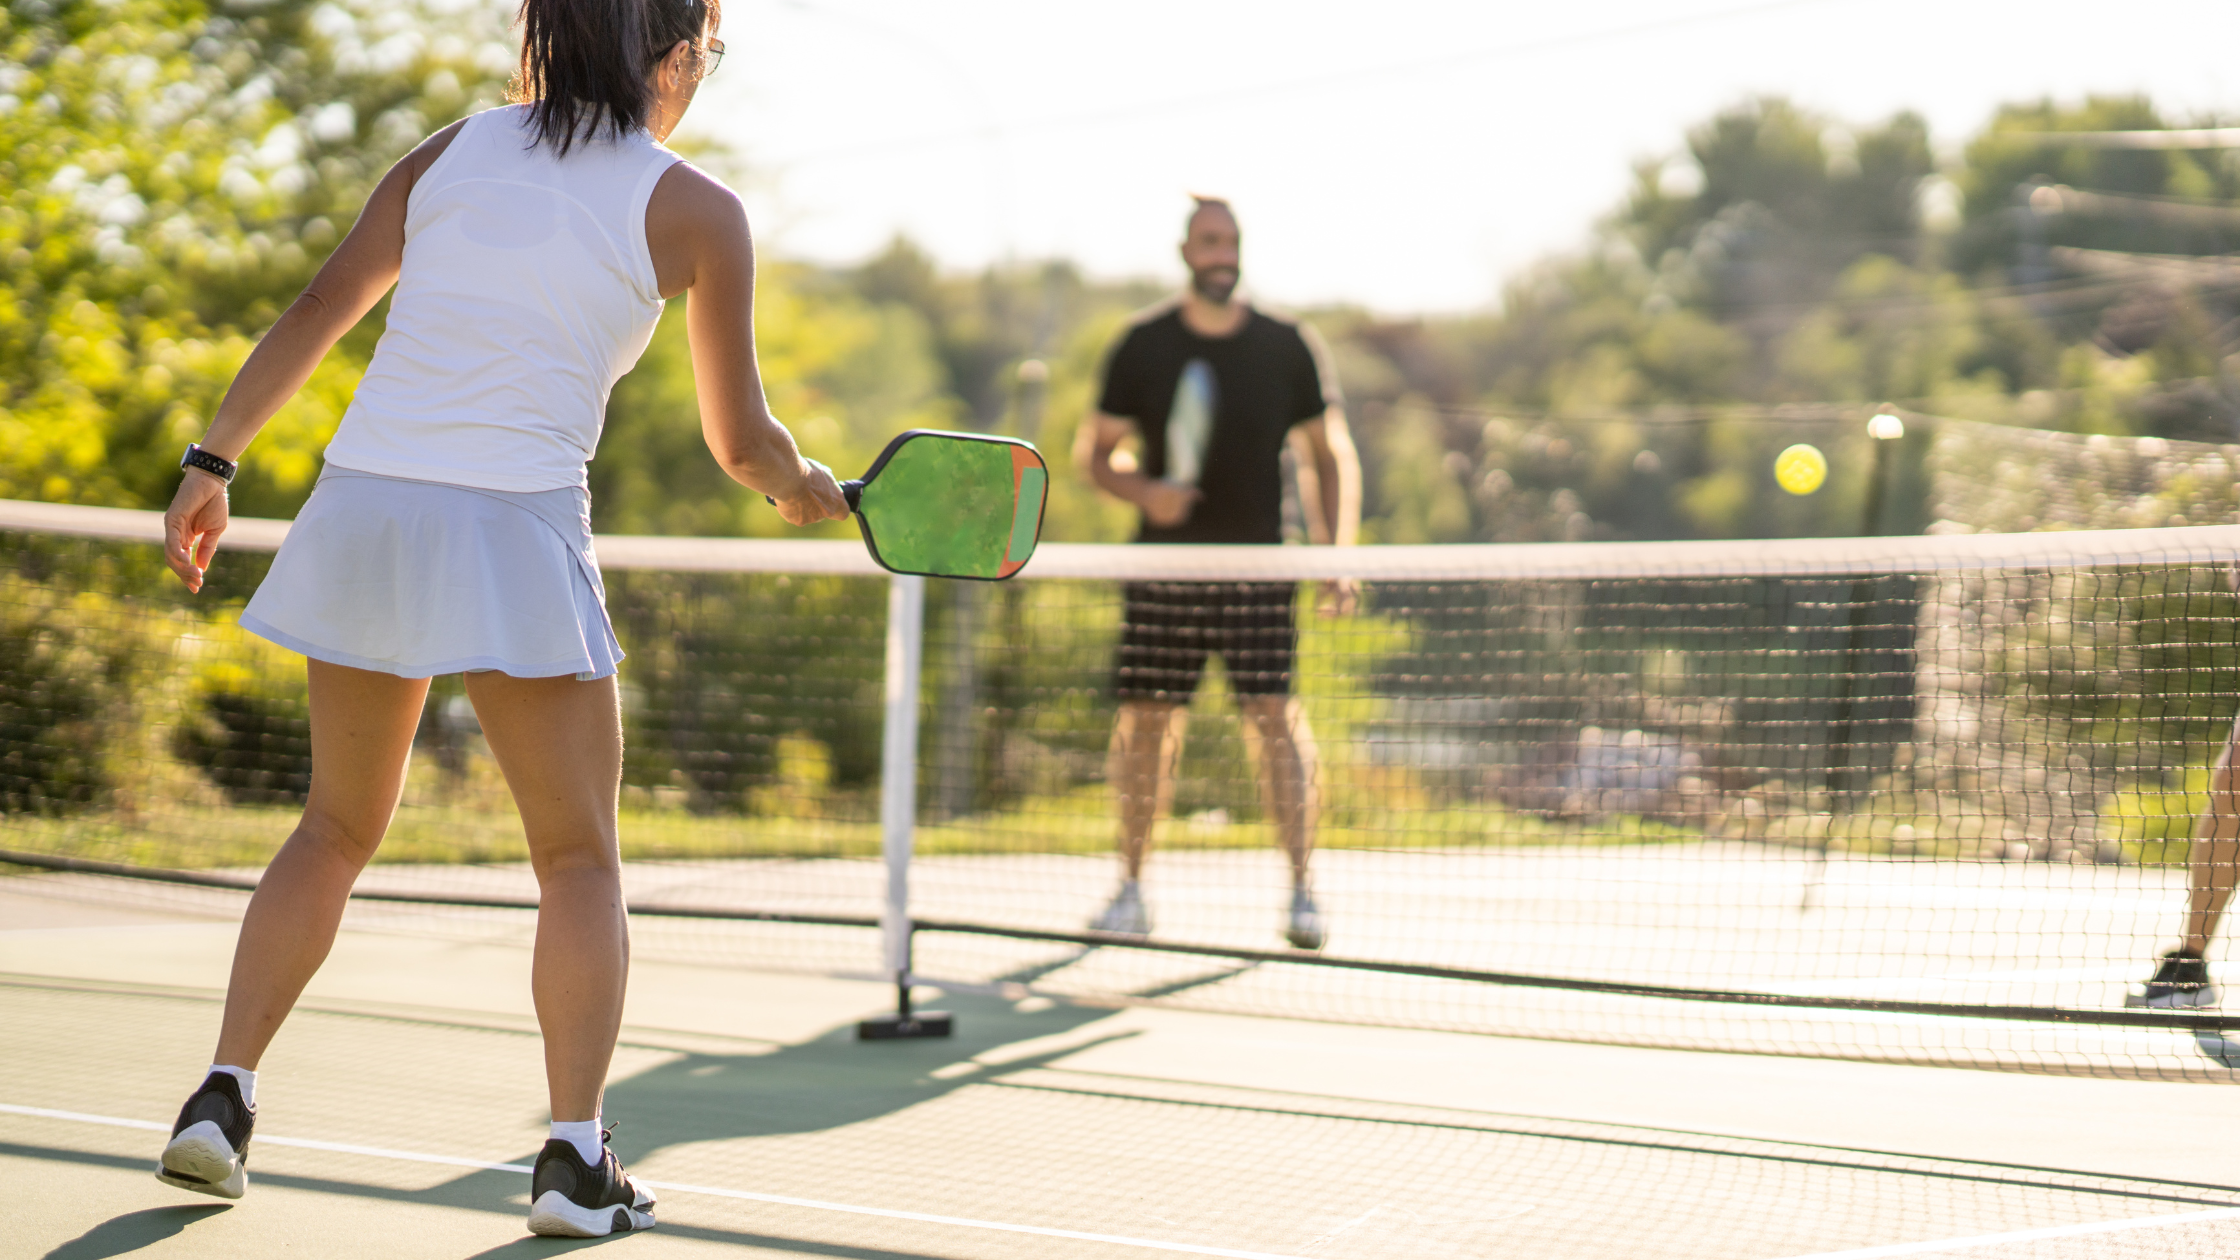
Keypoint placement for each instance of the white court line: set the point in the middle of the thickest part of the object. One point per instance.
(2024, 1235)
(1862, 1253)
(715, 1191)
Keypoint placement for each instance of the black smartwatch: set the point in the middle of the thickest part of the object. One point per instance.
(216, 465)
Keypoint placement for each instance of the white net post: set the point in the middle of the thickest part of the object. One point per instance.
(898, 778)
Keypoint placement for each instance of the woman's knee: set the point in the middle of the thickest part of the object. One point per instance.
(336, 839)
(591, 850)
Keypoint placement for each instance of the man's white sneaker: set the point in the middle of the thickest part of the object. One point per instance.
(1126, 915)
(1305, 931)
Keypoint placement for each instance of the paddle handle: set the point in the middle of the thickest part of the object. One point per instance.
(852, 489)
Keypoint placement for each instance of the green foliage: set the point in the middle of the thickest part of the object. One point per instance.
(843, 373)
(1417, 487)
(1785, 258)
(2160, 813)
(695, 640)
(2155, 662)
(248, 718)
(58, 684)
(2022, 147)
(173, 174)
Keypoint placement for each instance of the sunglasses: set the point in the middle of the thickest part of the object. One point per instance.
(711, 57)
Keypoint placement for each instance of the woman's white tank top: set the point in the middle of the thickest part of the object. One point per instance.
(527, 291)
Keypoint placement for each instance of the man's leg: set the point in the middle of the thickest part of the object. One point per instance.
(2214, 863)
(559, 742)
(2181, 978)
(1282, 746)
(1146, 749)
(361, 740)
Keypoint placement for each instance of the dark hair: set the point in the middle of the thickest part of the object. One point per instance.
(584, 62)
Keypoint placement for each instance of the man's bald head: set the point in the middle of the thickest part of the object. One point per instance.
(1210, 242)
(1202, 206)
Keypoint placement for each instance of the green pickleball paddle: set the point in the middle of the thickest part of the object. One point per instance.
(955, 505)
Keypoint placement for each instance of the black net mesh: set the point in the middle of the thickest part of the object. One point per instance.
(1927, 800)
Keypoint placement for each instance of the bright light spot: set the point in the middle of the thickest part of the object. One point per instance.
(1680, 179)
(333, 121)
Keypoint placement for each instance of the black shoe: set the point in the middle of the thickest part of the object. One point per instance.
(2181, 980)
(209, 1150)
(571, 1199)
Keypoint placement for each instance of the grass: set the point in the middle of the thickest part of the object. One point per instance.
(475, 823)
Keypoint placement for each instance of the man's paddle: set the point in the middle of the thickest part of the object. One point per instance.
(955, 505)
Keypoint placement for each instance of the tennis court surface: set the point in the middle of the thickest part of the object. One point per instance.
(401, 1102)
(1677, 896)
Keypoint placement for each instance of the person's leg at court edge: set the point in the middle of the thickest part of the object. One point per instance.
(1146, 750)
(361, 738)
(1283, 752)
(2181, 978)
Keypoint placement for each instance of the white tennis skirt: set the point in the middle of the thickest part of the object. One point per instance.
(418, 578)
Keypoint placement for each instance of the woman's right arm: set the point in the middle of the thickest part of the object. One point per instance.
(353, 278)
(697, 233)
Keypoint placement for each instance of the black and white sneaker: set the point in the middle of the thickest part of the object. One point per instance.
(2181, 980)
(571, 1199)
(209, 1149)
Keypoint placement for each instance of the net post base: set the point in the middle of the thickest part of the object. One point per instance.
(899, 1027)
(906, 1023)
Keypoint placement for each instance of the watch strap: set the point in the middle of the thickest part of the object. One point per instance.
(216, 465)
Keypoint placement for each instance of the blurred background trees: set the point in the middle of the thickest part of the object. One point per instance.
(171, 173)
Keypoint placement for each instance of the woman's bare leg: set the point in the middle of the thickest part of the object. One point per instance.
(559, 742)
(361, 741)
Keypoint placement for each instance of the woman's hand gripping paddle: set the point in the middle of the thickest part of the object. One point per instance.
(955, 505)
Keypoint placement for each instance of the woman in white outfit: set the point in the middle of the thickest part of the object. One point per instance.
(531, 247)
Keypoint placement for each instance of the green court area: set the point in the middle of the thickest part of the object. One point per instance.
(400, 1104)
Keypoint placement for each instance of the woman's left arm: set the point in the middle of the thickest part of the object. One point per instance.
(353, 278)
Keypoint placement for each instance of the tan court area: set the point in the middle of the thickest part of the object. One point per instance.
(411, 1076)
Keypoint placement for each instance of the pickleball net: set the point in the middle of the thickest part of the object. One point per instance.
(1922, 799)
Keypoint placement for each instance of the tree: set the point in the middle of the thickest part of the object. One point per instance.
(174, 174)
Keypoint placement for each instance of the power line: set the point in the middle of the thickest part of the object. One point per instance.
(2172, 138)
(2067, 200)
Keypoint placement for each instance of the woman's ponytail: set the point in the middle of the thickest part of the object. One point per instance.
(584, 63)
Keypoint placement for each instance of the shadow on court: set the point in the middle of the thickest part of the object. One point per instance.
(134, 1230)
(829, 1082)
(481, 1191)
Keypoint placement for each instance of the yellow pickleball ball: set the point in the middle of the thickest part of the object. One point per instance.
(1800, 469)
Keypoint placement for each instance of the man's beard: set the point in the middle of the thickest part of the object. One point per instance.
(1214, 284)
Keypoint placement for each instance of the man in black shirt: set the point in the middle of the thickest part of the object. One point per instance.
(1212, 392)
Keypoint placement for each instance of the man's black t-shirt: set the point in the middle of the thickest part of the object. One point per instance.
(1215, 411)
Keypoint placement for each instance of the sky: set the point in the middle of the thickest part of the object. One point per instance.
(1406, 156)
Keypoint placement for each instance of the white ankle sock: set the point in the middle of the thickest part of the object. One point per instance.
(583, 1135)
(247, 1078)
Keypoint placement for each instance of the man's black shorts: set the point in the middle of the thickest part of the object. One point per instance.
(1172, 627)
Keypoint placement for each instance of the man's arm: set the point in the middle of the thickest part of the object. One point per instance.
(1164, 503)
(1329, 478)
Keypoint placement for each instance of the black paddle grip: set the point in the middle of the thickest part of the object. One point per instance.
(852, 489)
